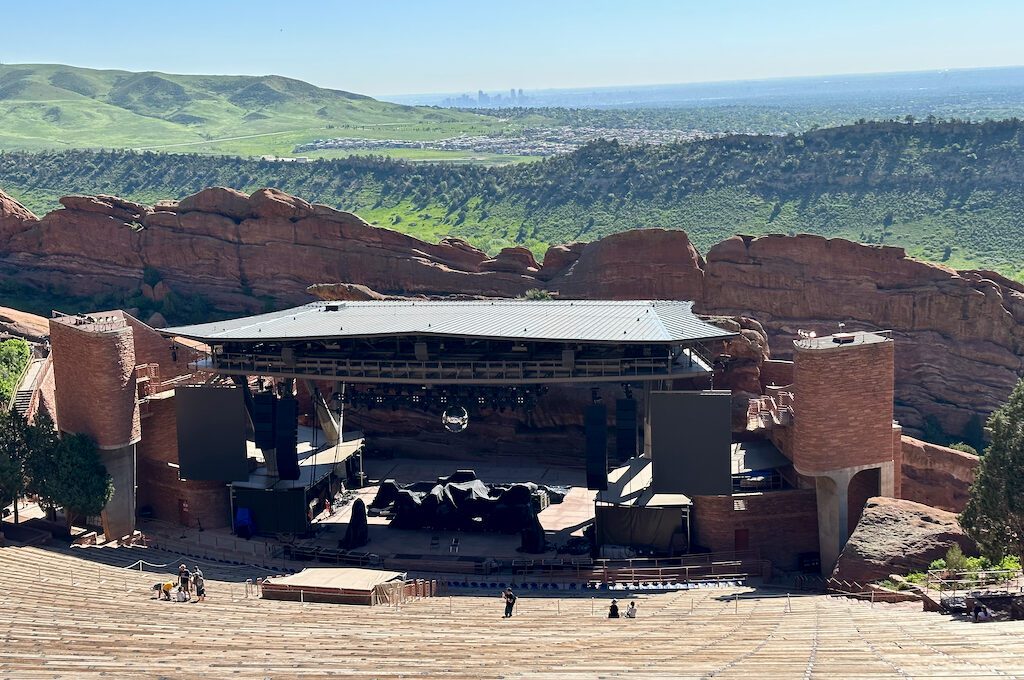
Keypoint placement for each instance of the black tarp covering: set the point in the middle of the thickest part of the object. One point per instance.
(465, 505)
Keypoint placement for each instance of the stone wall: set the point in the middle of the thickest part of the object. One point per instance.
(777, 372)
(780, 524)
(94, 377)
(153, 348)
(935, 475)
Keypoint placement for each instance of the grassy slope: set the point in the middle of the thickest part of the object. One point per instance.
(46, 106)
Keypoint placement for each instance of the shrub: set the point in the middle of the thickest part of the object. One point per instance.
(955, 560)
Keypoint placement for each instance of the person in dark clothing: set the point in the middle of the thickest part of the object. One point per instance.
(510, 601)
(185, 580)
(613, 610)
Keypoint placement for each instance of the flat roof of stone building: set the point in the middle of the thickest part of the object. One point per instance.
(840, 340)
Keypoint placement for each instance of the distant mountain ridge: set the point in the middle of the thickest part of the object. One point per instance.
(59, 106)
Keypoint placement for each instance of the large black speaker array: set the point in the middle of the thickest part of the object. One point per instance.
(625, 429)
(263, 420)
(286, 438)
(595, 427)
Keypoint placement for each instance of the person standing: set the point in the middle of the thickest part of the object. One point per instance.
(510, 601)
(184, 580)
(631, 610)
(613, 610)
(200, 584)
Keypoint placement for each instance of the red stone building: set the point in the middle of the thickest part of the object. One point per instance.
(114, 380)
(834, 422)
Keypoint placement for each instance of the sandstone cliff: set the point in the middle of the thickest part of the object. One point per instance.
(960, 338)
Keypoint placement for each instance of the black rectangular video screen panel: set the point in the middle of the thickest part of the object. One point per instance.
(211, 433)
(691, 439)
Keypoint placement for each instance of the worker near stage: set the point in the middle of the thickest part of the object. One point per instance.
(510, 601)
(163, 589)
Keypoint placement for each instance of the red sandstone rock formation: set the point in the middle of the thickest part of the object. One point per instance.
(648, 264)
(232, 252)
(898, 536)
(13, 216)
(23, 325)
(343, 291)
(960, 338)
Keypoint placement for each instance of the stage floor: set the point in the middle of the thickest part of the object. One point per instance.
(560, 521)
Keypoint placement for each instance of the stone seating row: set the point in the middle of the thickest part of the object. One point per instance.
(107, 624)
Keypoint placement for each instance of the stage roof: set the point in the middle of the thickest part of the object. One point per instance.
(616, 321)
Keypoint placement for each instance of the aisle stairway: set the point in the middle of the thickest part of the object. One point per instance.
(106, 624)
(26, 388)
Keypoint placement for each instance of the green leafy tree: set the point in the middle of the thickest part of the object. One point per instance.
(14, 356)
(994, 516)
(13, 452)
(84, 486)
(66, 472)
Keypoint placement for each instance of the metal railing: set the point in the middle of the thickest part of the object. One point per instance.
(454, 370)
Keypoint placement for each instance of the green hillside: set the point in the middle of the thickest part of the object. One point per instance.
(946, 191)
(48, 106)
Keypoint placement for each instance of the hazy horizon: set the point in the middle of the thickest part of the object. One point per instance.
(625, 86)
(452, 46)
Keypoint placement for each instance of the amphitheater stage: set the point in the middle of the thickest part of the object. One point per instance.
(336, 585)
(560, 521)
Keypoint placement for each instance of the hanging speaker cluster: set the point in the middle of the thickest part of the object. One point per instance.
(276, 431)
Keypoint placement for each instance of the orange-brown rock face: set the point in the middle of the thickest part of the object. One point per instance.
(13, 216)
(959, 335)
(651, 264)
(233, 249)
(959, 338)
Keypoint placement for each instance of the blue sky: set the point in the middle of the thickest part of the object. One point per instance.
(405, 46)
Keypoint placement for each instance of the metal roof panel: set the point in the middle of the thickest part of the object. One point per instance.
(640, 321)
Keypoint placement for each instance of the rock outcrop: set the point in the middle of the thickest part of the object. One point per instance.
(343, 291)
(13, 216)
(23, 325)
(897, 536)
(960, 338)
(233, 250)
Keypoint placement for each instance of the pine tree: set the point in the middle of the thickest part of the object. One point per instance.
(994, 516)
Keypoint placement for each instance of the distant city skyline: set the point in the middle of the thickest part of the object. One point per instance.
(462, 46)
